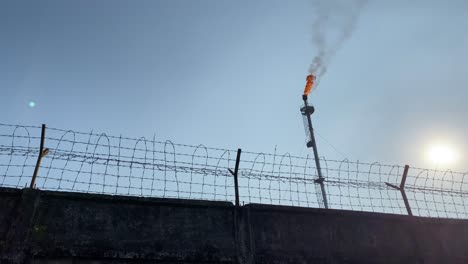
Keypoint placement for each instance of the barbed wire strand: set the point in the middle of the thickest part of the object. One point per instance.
(100, 163)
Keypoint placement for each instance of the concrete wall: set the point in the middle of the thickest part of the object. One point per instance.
(9, 202)
(55, 227)
(300, 235)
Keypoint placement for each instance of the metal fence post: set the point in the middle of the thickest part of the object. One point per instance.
(401, 188)
(42, 153)
(235, 174)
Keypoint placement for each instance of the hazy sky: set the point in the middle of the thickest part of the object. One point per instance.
(231, 73)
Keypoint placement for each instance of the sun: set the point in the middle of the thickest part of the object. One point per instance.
(442, 153)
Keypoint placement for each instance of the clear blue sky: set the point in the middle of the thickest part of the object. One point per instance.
(230, 74)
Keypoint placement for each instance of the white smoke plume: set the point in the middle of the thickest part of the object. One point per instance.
(334, 23)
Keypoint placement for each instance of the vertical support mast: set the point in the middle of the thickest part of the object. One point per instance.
(307, 112)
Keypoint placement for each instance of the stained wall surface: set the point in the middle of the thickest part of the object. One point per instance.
(60, 227)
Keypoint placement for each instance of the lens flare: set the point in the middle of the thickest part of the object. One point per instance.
(32, 104)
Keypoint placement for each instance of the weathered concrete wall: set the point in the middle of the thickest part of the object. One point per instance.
(299, 235)
(55, 227)
(101, 227)
(9, 201)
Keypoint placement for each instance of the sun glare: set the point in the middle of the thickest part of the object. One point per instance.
(442, 153)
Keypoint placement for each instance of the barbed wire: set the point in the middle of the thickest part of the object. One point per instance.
(105, 164)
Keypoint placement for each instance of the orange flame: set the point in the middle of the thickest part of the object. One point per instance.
(310, 83)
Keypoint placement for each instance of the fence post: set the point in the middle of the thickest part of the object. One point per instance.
(401, 188)
(42, 153)
(235, 174)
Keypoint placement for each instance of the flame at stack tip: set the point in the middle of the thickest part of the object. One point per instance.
(309, 84)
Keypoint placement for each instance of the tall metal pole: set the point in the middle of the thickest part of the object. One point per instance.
(308, 110)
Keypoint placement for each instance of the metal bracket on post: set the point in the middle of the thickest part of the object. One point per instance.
(235, 174)
(42, 152)
(402, 190)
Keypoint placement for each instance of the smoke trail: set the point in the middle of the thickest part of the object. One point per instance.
(334, 23)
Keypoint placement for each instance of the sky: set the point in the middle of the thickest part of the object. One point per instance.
(230, 74)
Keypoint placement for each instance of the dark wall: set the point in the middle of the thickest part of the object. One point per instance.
(299, 235)
(90, 226)
(9, 201)
(55, 227)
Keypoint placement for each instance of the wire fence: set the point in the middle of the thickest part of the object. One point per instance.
(98, 163)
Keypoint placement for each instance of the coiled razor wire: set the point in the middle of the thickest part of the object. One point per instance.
(92, 162)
